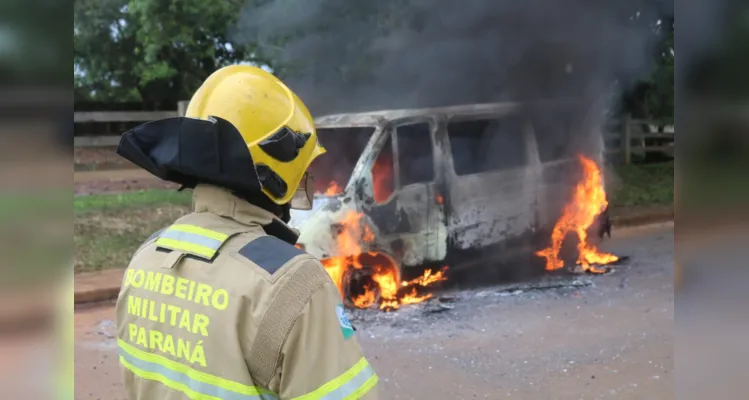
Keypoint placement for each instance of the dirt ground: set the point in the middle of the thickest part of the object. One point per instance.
(96, 158)
(607, 337)
(112, 181)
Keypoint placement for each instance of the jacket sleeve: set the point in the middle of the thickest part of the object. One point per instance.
(321, 358)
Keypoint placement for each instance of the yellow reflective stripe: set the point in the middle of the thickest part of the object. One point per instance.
(192, 373)
(363, 389)
(166, 382)
(192, 248)
(192, 239)
(336, 387)
(221, 237)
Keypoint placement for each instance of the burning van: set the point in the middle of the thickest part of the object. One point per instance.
(402, 194)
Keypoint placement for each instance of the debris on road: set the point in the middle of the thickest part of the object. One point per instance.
(544, 285)
(451, 305)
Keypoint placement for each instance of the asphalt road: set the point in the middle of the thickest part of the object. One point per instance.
(611, 337)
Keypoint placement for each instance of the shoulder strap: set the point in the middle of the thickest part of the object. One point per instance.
(192, 239)
(269, 253)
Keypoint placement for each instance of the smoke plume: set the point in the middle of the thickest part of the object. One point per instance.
(345, 56)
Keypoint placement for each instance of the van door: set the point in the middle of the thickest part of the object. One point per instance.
(491, 186)
(406, 208)
(558, 166)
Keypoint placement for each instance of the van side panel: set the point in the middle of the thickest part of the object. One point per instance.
(491, 184)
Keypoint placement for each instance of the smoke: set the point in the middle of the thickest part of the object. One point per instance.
(345, 56)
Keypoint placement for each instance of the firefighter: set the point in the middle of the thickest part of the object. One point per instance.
(221, 304)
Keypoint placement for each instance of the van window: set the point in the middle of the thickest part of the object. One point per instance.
(343, 146)
(487, 145)
(415, 157)
(553, 136)
(383, 178)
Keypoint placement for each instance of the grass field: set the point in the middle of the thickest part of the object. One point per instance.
(108, 228)
(643, 184)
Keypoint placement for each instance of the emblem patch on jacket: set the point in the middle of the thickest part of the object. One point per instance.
(346, 327)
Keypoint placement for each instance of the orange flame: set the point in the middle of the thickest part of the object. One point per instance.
(427, 278)
(440, 200)
(365, 300)
(385, 277)
(332, 189)
(382, 177)
(579, 214)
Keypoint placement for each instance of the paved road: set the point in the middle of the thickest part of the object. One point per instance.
(610, 340)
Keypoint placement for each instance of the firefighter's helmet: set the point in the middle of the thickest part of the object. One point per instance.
(274, 123)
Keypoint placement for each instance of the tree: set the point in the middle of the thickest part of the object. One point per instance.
(152, 51)
(653, 96)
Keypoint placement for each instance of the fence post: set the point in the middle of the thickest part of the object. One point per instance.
(182, 107)
(626, 142)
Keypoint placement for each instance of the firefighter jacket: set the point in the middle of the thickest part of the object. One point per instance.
(213, 307)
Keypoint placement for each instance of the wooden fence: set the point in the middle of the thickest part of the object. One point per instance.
(116, 117)
(634, 136)
(638, 136)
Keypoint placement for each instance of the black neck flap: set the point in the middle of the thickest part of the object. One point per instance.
(188, 151)
(282, 231)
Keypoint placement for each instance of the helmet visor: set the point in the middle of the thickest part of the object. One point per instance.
(304, 194)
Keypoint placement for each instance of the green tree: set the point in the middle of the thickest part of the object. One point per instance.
(653, 96)
(152, 51)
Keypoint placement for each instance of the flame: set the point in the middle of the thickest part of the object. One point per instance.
(588, 201)
(382, 177)
(427, 278)
(332, 189)
(440, 200)
(385, 277)
(367, 299)
(413, 297)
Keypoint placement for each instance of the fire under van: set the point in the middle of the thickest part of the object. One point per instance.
(443, 186)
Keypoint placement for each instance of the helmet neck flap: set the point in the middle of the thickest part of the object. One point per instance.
(189, 151)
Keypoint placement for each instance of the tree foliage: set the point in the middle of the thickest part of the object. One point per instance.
(653, 96)
(159, 51)
(152, 51)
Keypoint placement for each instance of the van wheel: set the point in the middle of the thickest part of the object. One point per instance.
(360, 288)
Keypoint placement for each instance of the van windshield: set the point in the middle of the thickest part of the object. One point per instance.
(344, 146)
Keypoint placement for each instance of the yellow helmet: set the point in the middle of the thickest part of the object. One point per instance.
(274, 123)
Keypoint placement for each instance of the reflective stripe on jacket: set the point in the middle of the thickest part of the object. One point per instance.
(211, 307)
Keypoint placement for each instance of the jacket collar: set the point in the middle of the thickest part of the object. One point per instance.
(219, 201)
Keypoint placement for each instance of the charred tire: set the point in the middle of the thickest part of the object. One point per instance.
(356, 282)
(360, 289)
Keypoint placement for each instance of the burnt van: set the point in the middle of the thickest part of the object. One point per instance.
(434, 186)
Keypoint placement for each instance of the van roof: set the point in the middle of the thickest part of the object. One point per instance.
(374, 118)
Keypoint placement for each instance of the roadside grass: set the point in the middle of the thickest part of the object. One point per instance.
(108, 228)
(130, 200)
(643, 185)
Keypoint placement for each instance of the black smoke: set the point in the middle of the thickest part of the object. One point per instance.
(344, 56)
